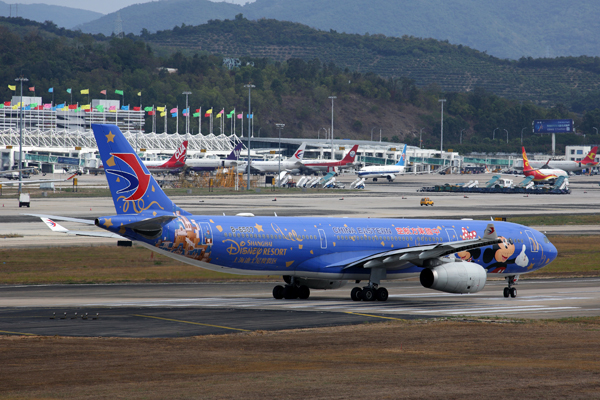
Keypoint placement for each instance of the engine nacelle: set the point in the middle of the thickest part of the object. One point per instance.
(315, 283)
(391, 177)
(455, 277)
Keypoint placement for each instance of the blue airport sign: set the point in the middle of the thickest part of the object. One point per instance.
(553, 126)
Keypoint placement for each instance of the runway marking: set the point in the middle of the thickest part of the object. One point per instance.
(191, 323)
(524, 310)
(19, 333)
(374, 316)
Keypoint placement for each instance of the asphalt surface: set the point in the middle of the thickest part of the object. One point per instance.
(199, 309)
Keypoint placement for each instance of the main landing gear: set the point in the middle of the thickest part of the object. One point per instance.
(369, 293)
(510, 290)
(291, 290)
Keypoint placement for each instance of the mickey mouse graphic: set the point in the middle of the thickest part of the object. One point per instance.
(501, 253)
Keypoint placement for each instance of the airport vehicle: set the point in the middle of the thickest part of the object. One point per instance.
(541, 174)
(384, 171)
(453, 256)
(568, 166)
(315, 166)
(210, 164)
(426, 201)
(24, 200)
(292, 164)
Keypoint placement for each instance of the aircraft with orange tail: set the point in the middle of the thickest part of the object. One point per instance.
(541, 174)
(569, 166)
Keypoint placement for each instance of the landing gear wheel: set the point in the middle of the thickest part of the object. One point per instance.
(506, 292)
(513, 292)
(355, 294)
(303, 292)
(367, 294)
(278, 292)
(290, 292)
(382, 294)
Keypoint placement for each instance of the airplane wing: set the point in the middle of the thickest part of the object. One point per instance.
(401, 258)
(59, 218)
(54, 227)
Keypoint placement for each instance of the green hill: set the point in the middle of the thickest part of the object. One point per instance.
(506, 29)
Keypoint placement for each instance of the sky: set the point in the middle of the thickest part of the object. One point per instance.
(103, 6)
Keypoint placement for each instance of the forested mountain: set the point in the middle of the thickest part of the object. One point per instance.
(505, 29)
(64, 17)
(294, 92)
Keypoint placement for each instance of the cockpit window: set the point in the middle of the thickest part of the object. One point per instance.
(545, 239)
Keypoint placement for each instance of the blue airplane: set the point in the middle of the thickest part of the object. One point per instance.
(453, 256)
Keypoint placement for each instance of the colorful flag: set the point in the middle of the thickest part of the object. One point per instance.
(47, 106)
(61, 105)
(125, 108)
(137, 109)
(2, 105)
(112, 108)
(27, 108)
(103, 92)
(239, 116)
(208, 112)
(86, 107)
(174, 115)
(33, 105)
(120, 92)
(100, 108)
(32, 89)
(148, 109)
(218, 115)
(15, 107)
(196, 114)
(72, 106)
(7, 103)
(69, 90)
(51, 90)
(12, 87)
(151, 113)
(173, 110)
(162, 114)
(140, 94)
(186, 112)
(85, 91)
(161, 109)
(249, 116)
(197, 110)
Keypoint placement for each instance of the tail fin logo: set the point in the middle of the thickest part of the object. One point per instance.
(138, 181)
(352, 154)
(489, 230)
(181, 152)
(299, 153)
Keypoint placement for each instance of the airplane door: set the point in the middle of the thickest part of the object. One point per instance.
(451, 235)
(534, 245)
(323, 238)
(206, 231)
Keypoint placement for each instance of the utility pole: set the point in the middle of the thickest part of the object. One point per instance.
(21, 79)
(249, 86)
(279, 126)
(332, 98)
(442, 101)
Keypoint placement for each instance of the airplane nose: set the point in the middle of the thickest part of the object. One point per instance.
(550, 251)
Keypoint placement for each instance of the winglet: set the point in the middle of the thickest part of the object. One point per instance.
(490, 232)
(54, 226)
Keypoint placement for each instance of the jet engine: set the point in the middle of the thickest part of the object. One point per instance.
(455, 277)
(391, 177)
(315, 283)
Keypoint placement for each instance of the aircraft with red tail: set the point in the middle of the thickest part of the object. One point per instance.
(541, 174)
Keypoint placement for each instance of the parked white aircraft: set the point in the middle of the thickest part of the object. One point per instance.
(292, 163)
(384, 171)
(568, 166)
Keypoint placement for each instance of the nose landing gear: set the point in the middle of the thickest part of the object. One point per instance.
(510, 290)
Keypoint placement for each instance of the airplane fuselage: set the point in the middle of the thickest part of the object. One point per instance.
(310, 247)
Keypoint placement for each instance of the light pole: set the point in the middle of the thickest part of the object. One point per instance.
(319, 133)
(421, 138)
(21, 79)
(522, 135)
(442, 101)
(187, 117)
(506, 135)
(249, 86)
(332, 98)
(372, 132)
(279, 126)
(494, 134)
(595, 129)
(461, 131)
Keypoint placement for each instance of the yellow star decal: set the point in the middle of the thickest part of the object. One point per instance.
(108, 223)
(111, 161)
(110, 137)
(258, 227)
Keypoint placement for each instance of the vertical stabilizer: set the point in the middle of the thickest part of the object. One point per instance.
(133, 188)
(235, 153)
(299, 154)
(591, 156)
(349, 158)
(402, 161)
(526, 166)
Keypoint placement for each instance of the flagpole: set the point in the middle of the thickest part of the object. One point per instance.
(177, 113)
(153, 119)
(200, 121)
